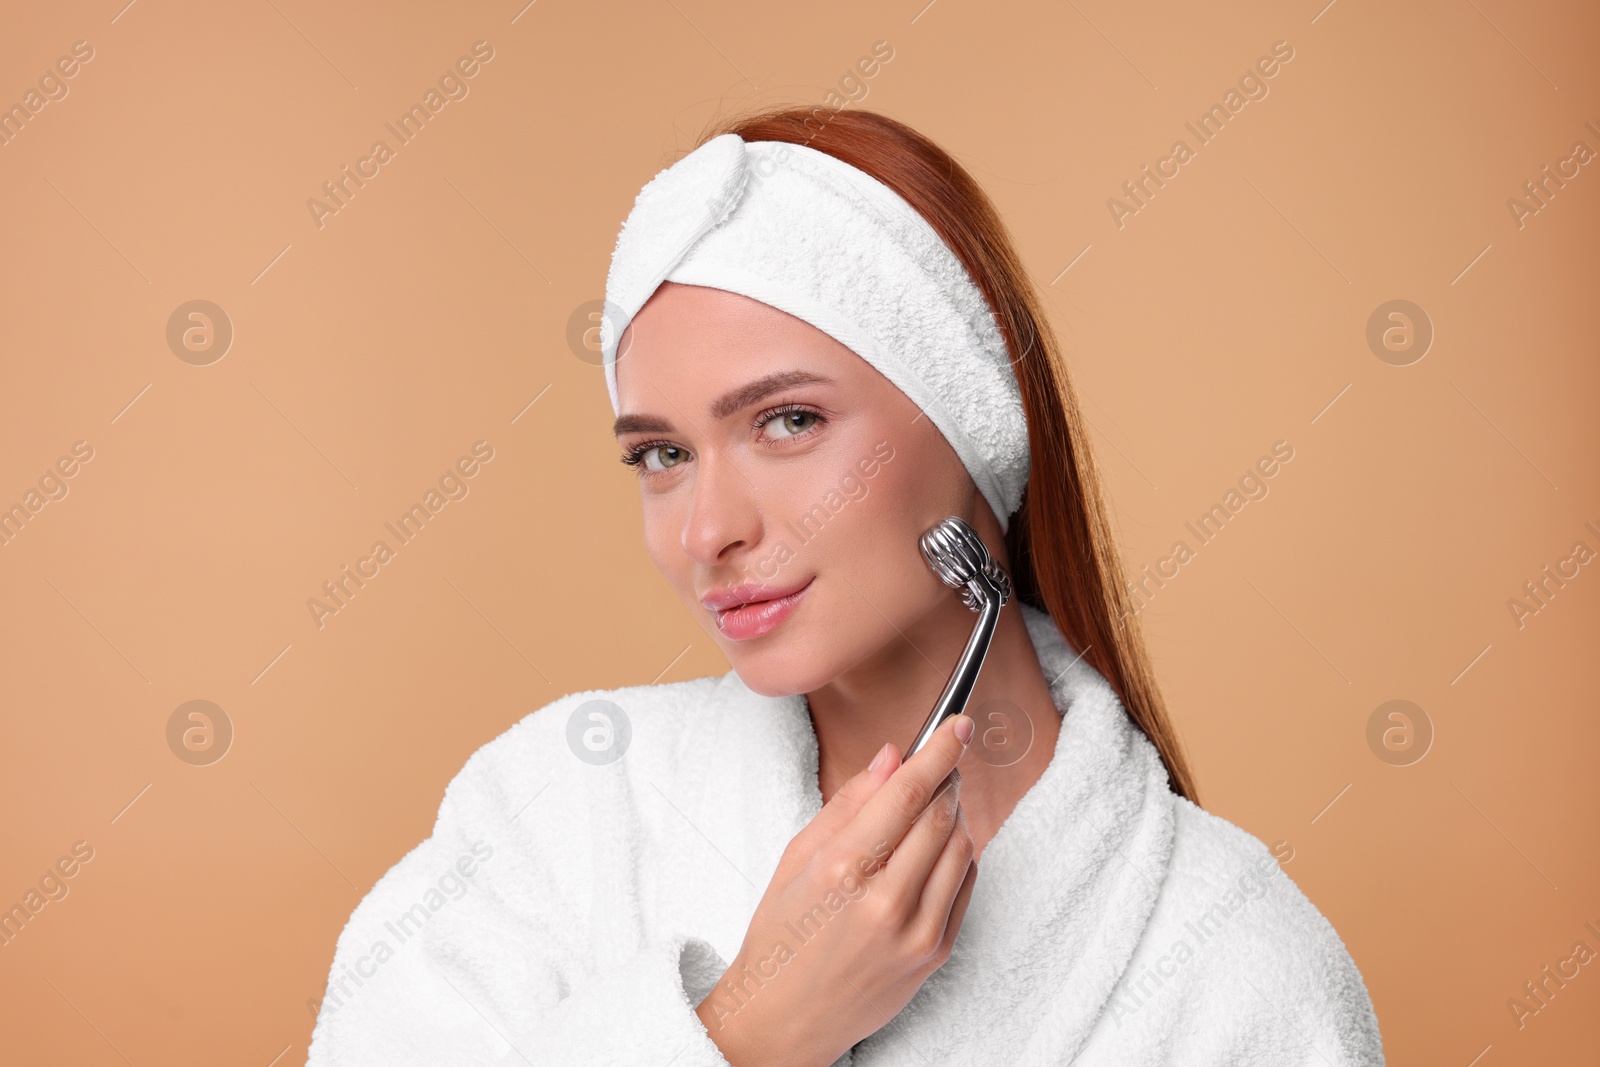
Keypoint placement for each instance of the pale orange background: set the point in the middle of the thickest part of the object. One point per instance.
(428, 313)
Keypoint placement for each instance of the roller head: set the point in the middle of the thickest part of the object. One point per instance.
(959, 557)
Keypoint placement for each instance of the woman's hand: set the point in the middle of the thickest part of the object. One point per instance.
(846, 933)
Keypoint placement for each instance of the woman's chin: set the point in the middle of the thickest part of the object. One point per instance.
(771, 677)
(781, 666)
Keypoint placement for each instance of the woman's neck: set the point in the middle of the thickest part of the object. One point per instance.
(888, 696)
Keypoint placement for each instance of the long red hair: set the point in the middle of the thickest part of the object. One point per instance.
(1064, 560)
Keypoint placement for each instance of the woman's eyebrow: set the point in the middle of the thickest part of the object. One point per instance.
(640, 424)
(745, 395)
(726, 404)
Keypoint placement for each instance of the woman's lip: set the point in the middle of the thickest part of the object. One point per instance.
(748, 593)
(762, 617)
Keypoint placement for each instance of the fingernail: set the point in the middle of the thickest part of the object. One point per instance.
(963, 729)
(882, 752)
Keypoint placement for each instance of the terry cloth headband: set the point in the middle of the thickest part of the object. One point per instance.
(811, 235)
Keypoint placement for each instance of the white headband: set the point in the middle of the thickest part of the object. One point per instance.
(811, 235)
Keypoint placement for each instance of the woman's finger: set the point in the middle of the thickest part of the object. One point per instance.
(900, 799)
(944, 881)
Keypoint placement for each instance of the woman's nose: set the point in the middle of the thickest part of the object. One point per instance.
(723, 513)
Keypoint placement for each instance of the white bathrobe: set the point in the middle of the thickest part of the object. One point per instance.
(569, 913)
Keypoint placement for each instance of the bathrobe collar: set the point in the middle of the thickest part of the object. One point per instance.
(1064, 890)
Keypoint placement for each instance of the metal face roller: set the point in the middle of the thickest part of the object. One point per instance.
(958, 556)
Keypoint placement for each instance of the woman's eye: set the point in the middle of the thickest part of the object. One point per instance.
(661, 457)
(791, 423)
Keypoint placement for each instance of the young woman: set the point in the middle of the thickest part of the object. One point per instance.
(819, 342)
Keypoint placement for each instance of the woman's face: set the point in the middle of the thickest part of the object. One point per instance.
(778, 467)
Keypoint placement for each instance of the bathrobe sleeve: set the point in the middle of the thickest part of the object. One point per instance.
(1281, 986)
(1237, 967)
(474, 948)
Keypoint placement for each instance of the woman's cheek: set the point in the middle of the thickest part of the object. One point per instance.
(662, 527)
(877, 522)
(920, 482)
